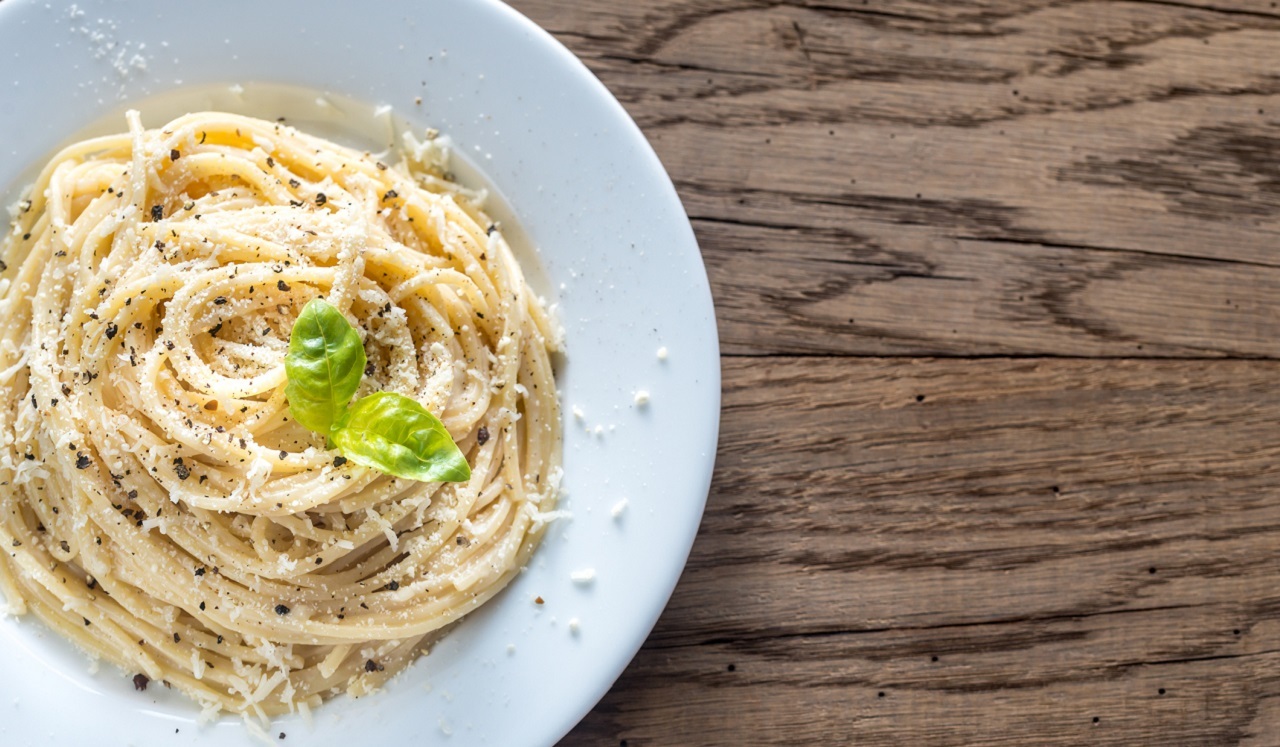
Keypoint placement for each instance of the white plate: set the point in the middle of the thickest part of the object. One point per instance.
(618, 256)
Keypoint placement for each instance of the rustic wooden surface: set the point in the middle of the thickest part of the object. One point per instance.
(998, 288)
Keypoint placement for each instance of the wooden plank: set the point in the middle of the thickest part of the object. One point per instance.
(998, 688)
(1034, 178)
(830, 290)
(1066, 536)
(1068, 479)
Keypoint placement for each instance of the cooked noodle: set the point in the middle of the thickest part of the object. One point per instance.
(160, 507)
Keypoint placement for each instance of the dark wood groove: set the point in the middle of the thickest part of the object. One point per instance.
(993, 357)
(1118, 250)
(1212, 8)
(871, 631)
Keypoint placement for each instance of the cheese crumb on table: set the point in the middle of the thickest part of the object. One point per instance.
(618, 508)
(662, 353)
(584, 576)
(574, 625)
(642, 398)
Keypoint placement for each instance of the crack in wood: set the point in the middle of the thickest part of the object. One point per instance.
(1213, 9)
(839, 632)
(1171, 256)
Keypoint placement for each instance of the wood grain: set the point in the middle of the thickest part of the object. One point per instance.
(996, 284)
(1067, 537)
(1055, 179)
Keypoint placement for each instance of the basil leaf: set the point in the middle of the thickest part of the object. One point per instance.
(324, 366)
(397, 435)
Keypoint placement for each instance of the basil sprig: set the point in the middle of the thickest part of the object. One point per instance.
(384, 431)
(324, 365)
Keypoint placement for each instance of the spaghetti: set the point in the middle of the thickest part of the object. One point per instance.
(159, 506)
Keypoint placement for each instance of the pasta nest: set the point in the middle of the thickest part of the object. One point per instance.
(162, 508)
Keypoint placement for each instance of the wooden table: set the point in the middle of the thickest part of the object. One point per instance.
(997, 285)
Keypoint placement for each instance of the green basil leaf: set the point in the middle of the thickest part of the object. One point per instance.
(324, 365)
(397, 435)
